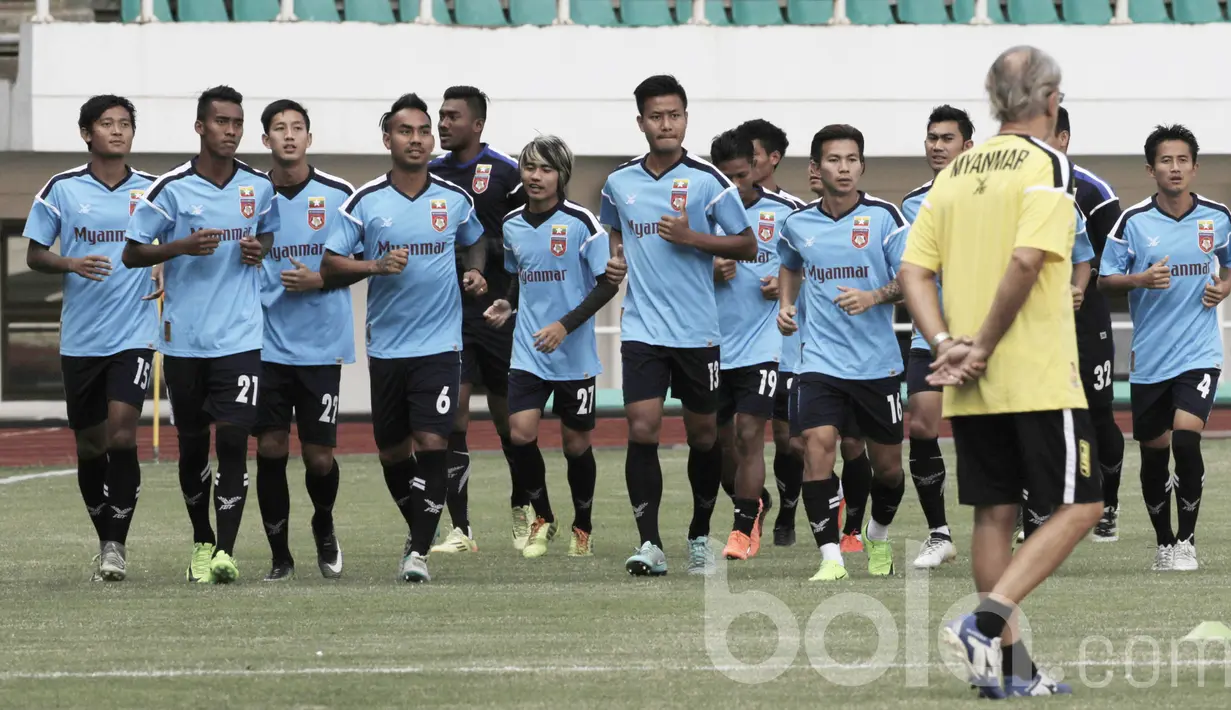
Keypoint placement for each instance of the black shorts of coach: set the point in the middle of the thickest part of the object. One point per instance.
(487, 354)
(692, 375)
(90, 383)
(1155, 404)
(918, 367)
(219, 389)
(869, 409)
(751, 390)
(413, 394)
(306, 394)
(1050, 453)
(1095, 357)
(571, 400)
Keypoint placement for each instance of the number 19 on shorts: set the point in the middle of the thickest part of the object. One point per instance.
(895, 407)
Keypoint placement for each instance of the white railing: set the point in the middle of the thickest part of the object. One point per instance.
(286, 11)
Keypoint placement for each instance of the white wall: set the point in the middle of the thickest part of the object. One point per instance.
(578, 81)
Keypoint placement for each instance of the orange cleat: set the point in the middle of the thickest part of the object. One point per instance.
(739, 546)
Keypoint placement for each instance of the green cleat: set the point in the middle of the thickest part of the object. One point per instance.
(541, 533)
(880, 555)
(199, 568)
(648, 560)
(830, 571)
(521, 526)
(222, 568)
(700, 556)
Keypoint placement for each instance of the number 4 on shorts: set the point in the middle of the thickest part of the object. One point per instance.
(1204, 387)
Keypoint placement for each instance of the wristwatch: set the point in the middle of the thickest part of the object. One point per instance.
(939, 338)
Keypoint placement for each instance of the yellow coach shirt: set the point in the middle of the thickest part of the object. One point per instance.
(1012, 191)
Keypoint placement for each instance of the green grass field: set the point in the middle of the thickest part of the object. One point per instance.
(494, 630)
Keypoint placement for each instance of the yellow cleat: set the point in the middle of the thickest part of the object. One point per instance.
(581, 544)
(199, 568)
(521, 526)
(457, 541)
(223, 569)
(541, 533)
(830, 571)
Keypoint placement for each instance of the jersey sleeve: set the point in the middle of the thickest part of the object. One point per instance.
(595, 249)
(727, 210)
(346, 237)
(1223, 250)
(787, 254)
(1117, 253)
(510, 255)
(922, 248)
(152, 219)
(910, 209)
(43, 224)
(894, 244)
(608, 213)
(270, 221)
(1083, 250)
(471, 229)
(1047, 216)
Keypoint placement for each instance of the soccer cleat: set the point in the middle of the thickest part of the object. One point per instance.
(1107, 530)
(880, 555)
(414, 568)
(541, 533)
(1164, 559)
(222, 569)
(648, 560)
(979, 657)
(581, 545)
(754, 541)
(851, 543)
(113, 566)
(199, 568)
(329, 555)
(700, 556)
(521, 526)
(1041, 684)
(456, 541)
(830, 571)
(739, 546)
(1184, 556)
(936, 551)
(784, 537)
(96, 573)
(280, 571)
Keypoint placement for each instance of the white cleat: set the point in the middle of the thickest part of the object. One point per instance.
(936, 551)
(1164, 560)
(1185, 556)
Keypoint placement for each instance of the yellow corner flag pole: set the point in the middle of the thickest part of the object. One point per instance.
(157, 388)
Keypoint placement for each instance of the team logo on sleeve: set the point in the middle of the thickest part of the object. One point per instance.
(679, 194)
(482, 178)
(1205, 235)
(247, 202)
(765, 226)
(134, 196)
(559, 239)
(440, 215)
(316, 212)
(860, 231)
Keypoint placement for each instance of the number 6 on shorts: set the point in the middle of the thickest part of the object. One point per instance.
(442, 402)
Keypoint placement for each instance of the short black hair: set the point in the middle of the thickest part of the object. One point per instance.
(659, 85)
(404, 101)
(731, 145)
(835, 132)
(945, 112)
(773, 139)
(277, 107)
(1062, 122)
(94, 108)
(475, 99)
(1174, 132)
(218, 93)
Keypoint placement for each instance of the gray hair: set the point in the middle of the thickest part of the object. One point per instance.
(552, 152)
(1020, 82)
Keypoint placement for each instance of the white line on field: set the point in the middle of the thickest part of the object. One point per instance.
(32, 476)
(26, 432)
(548, 669)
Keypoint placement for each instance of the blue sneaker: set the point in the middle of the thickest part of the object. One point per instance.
(700, 556)
(647, 560)
(1041, 684)
(965, 647)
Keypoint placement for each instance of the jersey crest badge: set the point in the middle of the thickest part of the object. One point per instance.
(316, 212)
(247, 202)
(440, 215)
(134, 196)
(765, 226)
(1205, 235)
(679, 194)
(559, 239)
(482, 178)
(860, 231)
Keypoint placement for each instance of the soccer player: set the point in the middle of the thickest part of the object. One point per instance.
(309, 335)
(1170, 254)
(949, 134)
(492, 180)
(222, 214)
(846, 241)
(747, 294)
(108, 318)
(1009, 367)
(670, 204)
(558, 253)
(769, 144)
(407, 224)
(1096, 348)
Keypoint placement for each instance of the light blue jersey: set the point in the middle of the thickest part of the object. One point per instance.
(212, 306)
(748, 322)
(313, 327)
(792, 345)
(861, 249)
(1172, 331)
(556, 256)
(419, 311)
(670, 298)
(97, 318)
